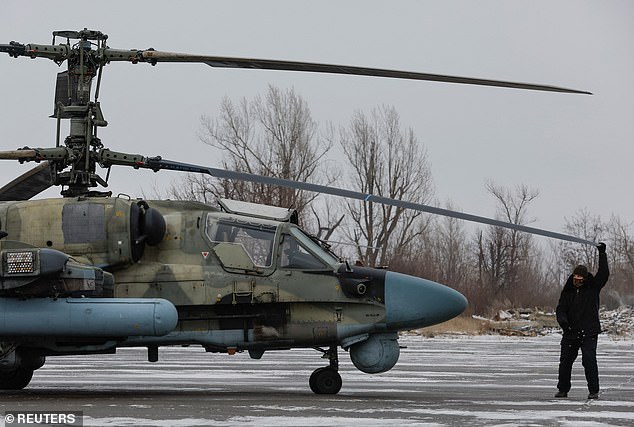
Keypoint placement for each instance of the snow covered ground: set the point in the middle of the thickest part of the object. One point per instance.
(617, 323)
(441, 381)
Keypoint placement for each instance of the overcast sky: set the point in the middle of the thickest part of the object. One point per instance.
(577, 150)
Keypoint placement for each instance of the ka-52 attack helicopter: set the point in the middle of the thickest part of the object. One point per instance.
(88, 273)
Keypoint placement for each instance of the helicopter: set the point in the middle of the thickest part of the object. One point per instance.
(90, 272)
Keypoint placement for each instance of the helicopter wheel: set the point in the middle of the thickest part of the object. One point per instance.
(16, 379)
(325, 380)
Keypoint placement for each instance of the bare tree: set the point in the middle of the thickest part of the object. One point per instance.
(587, 226)
(327, 219)
(452, 251)
(274, 135)
(504, 255)
(620, 235)
(388, 161)
(194, 187)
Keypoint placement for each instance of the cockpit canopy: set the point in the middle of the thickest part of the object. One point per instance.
(267, 244)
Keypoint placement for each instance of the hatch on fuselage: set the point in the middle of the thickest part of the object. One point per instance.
(255, 210)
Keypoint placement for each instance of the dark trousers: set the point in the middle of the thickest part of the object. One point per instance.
(569, 350)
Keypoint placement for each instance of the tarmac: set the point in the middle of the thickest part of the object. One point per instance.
(440, 381)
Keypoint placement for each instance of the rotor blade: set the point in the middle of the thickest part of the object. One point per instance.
(28, 184)
(158, 163)
(18, 154)
(154, 56)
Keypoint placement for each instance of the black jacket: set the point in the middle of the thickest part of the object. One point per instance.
(578, 308)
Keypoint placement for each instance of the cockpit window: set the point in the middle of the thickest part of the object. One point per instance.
(295, 256)
(257, 239)
(301, 252)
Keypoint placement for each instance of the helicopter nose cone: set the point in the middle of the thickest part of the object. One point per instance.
(412, 302)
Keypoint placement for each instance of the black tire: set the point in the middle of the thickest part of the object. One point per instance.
(16, 379)
(313, 376)
(325, 381)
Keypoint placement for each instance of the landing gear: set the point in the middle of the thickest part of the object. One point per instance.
(327, 380)
(15, 379)
(18, 366)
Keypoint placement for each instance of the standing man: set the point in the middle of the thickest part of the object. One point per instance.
(578, 316)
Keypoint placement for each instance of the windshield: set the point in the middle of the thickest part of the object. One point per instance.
(301, 252)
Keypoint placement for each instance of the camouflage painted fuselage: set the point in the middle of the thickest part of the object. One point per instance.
(232, 277)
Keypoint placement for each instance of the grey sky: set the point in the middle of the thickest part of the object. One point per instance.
(577, 150)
